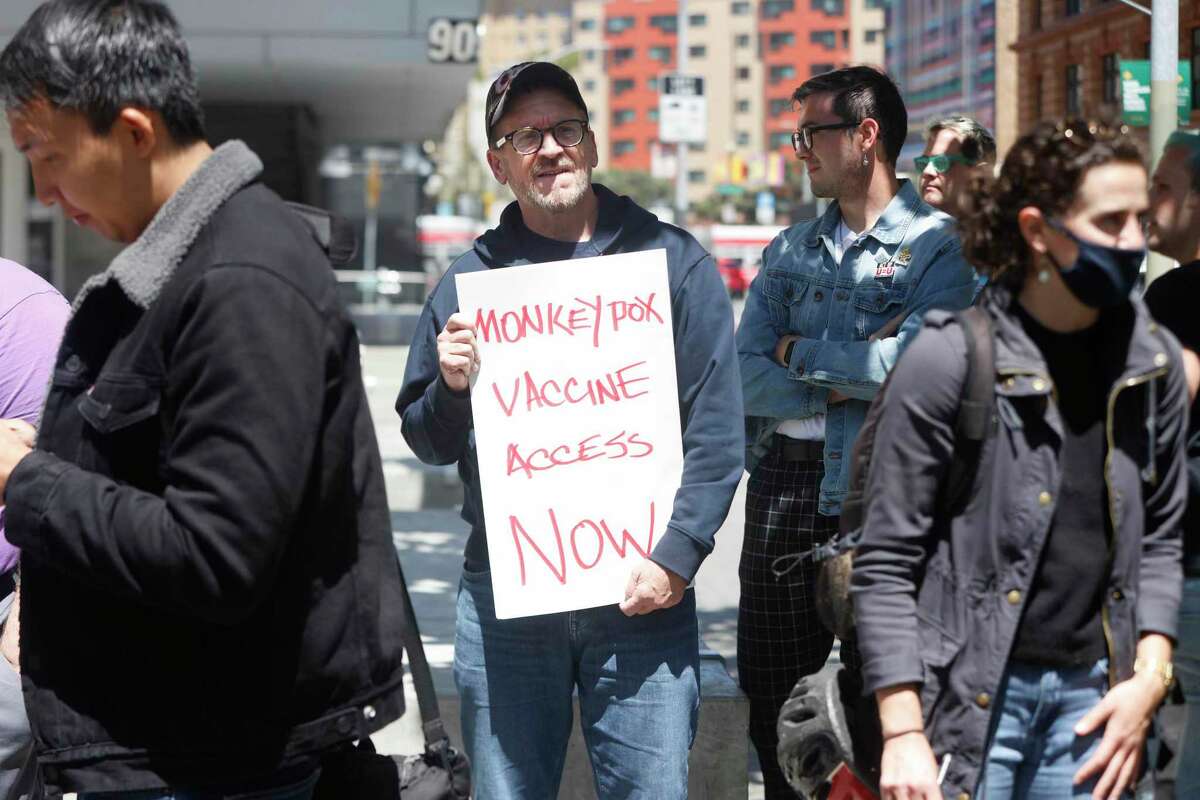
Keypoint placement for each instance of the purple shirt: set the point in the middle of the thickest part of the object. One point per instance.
(32, 317)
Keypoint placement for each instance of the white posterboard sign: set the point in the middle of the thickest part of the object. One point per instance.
(576, 416)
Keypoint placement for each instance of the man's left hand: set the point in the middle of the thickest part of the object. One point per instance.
(651, 588)
(16, 440)
(781, 348)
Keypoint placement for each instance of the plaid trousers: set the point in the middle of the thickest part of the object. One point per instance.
(780, 638)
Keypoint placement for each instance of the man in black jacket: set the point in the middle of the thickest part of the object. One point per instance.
(1174, 231)
(210, 595)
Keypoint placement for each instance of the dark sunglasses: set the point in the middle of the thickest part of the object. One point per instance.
(528, 141)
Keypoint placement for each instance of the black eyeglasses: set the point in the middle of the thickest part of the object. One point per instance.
(528, 141)
(804, 135)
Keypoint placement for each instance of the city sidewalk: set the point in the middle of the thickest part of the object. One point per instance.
(430, 536)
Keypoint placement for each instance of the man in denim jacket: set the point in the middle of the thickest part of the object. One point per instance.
(835, 301)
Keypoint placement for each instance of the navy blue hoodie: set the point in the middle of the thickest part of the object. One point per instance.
(437, 421)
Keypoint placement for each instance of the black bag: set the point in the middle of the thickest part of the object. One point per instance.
(357, 772)
(971, 427)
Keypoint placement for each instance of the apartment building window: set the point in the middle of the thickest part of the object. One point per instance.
(870, 36)
(1111, 73)
(589, 85)
(652, 114)
(623, 147)
(827, 39)
(781, 39)
(740, 8)
(1195, 68)
(697, 51)
(1074, 89)
(818, 69)
(780, 140)
(742, 73)
(622, 54)
(621, 116)
(782, 72)
(622, 85)
(588, 55)
(741, 40)
(587, 24)
(667, 23)
(830, 7)
(743, 139)
(743, 106)
(696, 176)
(662, 54)
(698, 20)
(1073, 7)
(780, 105)
(694, 147)
(618, 24)
(772, 9)
(652, 83)
(876, 3)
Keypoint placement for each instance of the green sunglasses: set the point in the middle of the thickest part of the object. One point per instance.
(942, 163)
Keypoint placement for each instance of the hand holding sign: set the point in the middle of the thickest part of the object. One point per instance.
(651, 587)
(458, 354)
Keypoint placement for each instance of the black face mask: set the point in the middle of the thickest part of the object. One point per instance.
(1101, 276)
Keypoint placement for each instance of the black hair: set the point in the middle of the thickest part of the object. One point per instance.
(99, 56)
(860, 93)
(1044, 169)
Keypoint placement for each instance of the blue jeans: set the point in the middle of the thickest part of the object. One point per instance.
(639, 696)
(1034, 752)
(297, 790)
(1187, 667)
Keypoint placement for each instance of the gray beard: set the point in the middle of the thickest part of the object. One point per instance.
(559, 201)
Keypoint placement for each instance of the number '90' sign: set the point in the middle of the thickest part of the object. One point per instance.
(453, 40)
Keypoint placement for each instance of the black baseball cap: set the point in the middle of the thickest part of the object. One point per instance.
(523, 78)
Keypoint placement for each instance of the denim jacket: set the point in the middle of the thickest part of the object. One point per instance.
(854, 319)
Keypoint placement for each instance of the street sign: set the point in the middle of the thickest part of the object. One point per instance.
(1135, 92)
(453, 41)
(682, 110)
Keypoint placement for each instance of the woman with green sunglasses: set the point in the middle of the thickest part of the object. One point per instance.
(956, 150)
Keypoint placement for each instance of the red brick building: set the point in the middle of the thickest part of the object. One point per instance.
(639, 37)
(1067, 54)
(797, 39)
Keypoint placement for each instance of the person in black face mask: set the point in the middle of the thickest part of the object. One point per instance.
(1019, 643)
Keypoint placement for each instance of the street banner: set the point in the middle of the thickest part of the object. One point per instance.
(576, 416)
(1135, 92)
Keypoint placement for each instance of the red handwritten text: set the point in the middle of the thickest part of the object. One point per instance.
(612, 387)
(622, 445)
(586, 540)
(585, 316)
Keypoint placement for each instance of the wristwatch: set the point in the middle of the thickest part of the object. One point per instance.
(787, 353)
(1164, 670)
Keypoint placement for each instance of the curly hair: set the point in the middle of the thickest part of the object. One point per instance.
(1044, 169)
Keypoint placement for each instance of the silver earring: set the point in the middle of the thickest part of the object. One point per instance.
(866, 161)
(1043, 276)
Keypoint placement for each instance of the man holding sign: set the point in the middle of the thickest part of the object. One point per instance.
(591, 401)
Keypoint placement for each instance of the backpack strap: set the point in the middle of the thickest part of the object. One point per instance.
(976, 402)
(431, 719)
